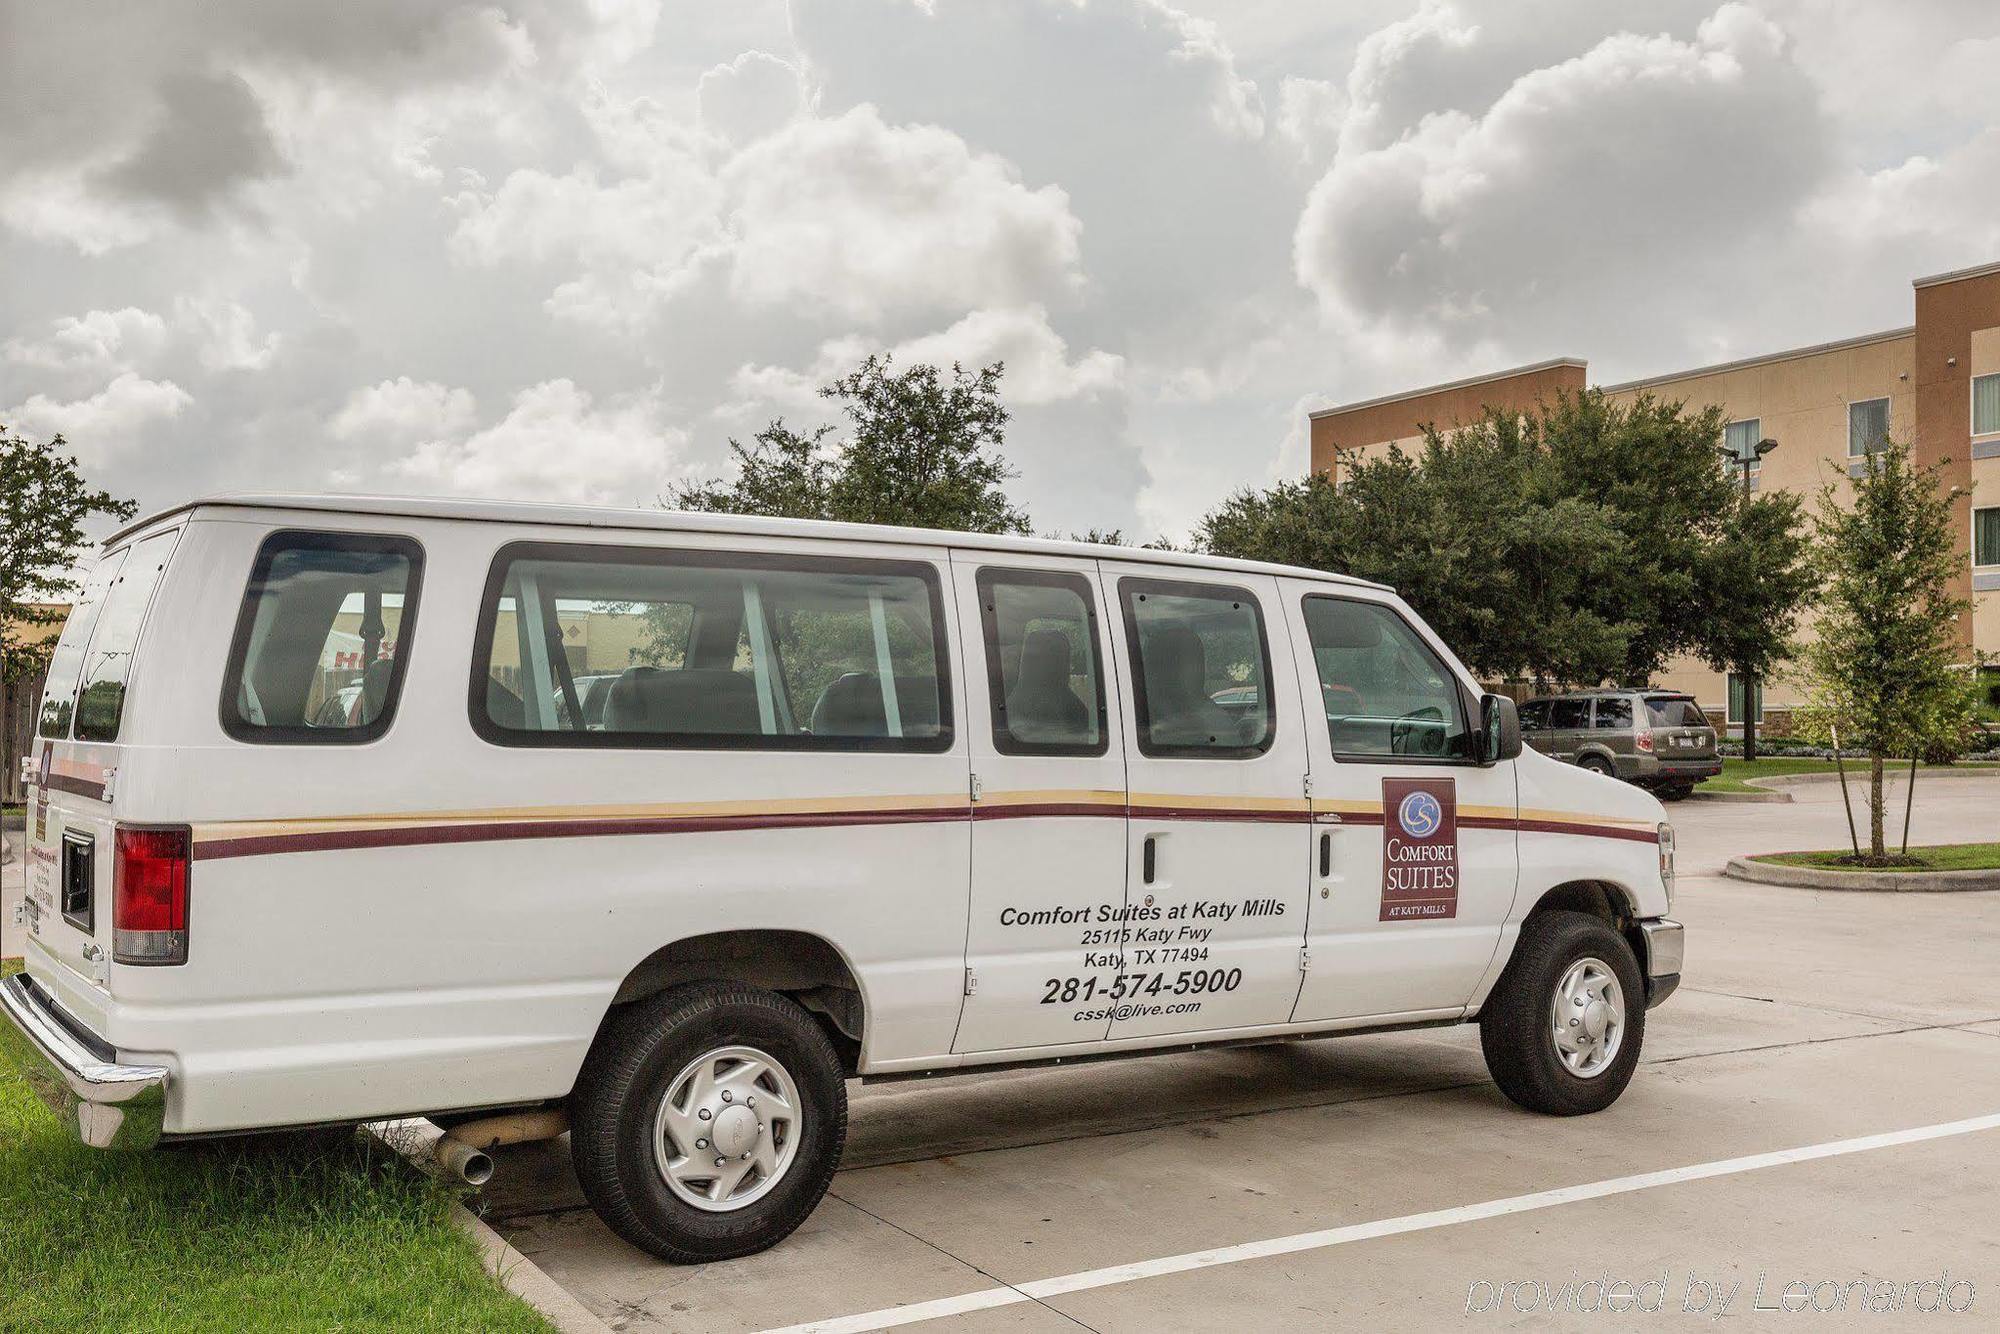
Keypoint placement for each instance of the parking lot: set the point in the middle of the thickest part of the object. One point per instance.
(1384, 1181)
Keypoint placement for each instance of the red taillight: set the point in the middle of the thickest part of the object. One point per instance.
(1646, 741)
(149, 895)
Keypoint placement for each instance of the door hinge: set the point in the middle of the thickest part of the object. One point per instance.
(110, 782)
(971, 982)
(1305, 959)
(978, 788)
(1309, 785)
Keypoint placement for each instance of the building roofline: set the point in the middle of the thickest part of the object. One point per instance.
(1976, 271)
(1467, 383)
(610, 519)
(1765, 359)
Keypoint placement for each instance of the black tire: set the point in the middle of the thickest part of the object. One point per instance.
(1676, 792)
(1597, 764)
(1515, 1029)
(625, 1079)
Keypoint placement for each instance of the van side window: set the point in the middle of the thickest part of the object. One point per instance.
(65, 672)
(646, 647)
(1201, 669)
(1614, 713)
(100, 704)
(323, 638)
(1043, 669)
(1387, 695)
(1569, 715)
(1534, 715)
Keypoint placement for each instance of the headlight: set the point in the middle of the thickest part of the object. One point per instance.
(1667, 860)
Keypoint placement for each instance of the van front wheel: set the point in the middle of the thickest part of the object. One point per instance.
(708, 1121)
(1562, 1029)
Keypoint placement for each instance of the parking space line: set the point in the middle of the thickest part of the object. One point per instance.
(1111, 1276)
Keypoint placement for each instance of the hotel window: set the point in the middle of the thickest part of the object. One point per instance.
(1986, 404)
(1986, 537)
(1740, 439)
(1867, 426)
(1737, 690)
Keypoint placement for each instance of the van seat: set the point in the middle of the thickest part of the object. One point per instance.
(692, 699)
(852, 706)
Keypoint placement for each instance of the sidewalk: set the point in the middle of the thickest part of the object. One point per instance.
(13, 879)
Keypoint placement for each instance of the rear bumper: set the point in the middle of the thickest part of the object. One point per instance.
(1666, 949)
(1658, 769)
(101, 1101)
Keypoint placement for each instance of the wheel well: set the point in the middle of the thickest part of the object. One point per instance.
(1605, 901)
(793, 963)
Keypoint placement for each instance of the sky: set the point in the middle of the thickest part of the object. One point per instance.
(569, 249)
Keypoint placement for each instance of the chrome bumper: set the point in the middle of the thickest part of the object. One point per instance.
(101, 1102)
(1666, 948)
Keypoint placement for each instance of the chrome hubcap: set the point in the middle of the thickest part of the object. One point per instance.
(728, 1129)
(1588, 1015)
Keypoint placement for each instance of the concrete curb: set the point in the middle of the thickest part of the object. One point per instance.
(516, 1272)
(1862, 882)
(1739, 797)
(1894, 771)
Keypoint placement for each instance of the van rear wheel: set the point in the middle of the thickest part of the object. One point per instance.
(1562, 1029)
(708, 1121)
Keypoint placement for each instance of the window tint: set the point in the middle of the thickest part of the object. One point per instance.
(107, 665)
(66, 663)
(1201, 669)
(1569, 713)
(1986, 404)
(1867, 426)
(1534, 715)
(1614, 714)
(1385, 692)
(322, 638)
(636, 646)
(1985, 537)
(1669, 711)
(1043, 671)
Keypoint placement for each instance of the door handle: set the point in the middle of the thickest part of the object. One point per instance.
(1325, 854)
(1148, 861)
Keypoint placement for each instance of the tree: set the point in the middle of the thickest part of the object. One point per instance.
(921, 450)
(1756, 581)
(44, 504)
(1884, 667)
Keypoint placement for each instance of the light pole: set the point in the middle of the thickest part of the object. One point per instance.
(1745, 456)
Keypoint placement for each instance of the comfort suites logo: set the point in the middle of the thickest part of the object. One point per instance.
(1420, 849)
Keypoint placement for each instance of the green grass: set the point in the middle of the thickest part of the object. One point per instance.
(1942, 857)
(309, 1232)
(1735, 771)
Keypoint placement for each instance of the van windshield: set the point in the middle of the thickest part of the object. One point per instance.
(100, 705)
(66, 663)
(1675, 711)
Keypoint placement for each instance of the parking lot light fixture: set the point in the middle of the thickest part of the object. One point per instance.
(1744, 458)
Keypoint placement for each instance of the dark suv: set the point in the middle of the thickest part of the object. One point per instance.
(1654, 738)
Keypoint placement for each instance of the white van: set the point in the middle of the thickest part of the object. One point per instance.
(329, 823)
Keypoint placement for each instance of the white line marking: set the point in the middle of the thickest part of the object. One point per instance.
(987, 1298)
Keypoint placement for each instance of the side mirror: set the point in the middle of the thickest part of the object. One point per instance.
(1499, 729)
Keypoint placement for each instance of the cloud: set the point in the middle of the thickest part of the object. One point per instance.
(404, 410)
(750, 96)
(1628, 168)
(225, 334)
(556, 443)
(850, 218)
(109, 422)
(98, 340)
(209, 138)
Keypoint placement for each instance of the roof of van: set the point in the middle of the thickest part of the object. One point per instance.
(664, 520)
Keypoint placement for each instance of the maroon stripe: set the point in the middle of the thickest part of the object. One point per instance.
(82, 787)
(1587, 830)
(256, 845)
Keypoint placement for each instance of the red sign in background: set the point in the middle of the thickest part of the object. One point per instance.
(1419, 849)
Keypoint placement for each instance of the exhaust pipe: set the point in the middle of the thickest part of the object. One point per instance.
(465, 1150)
